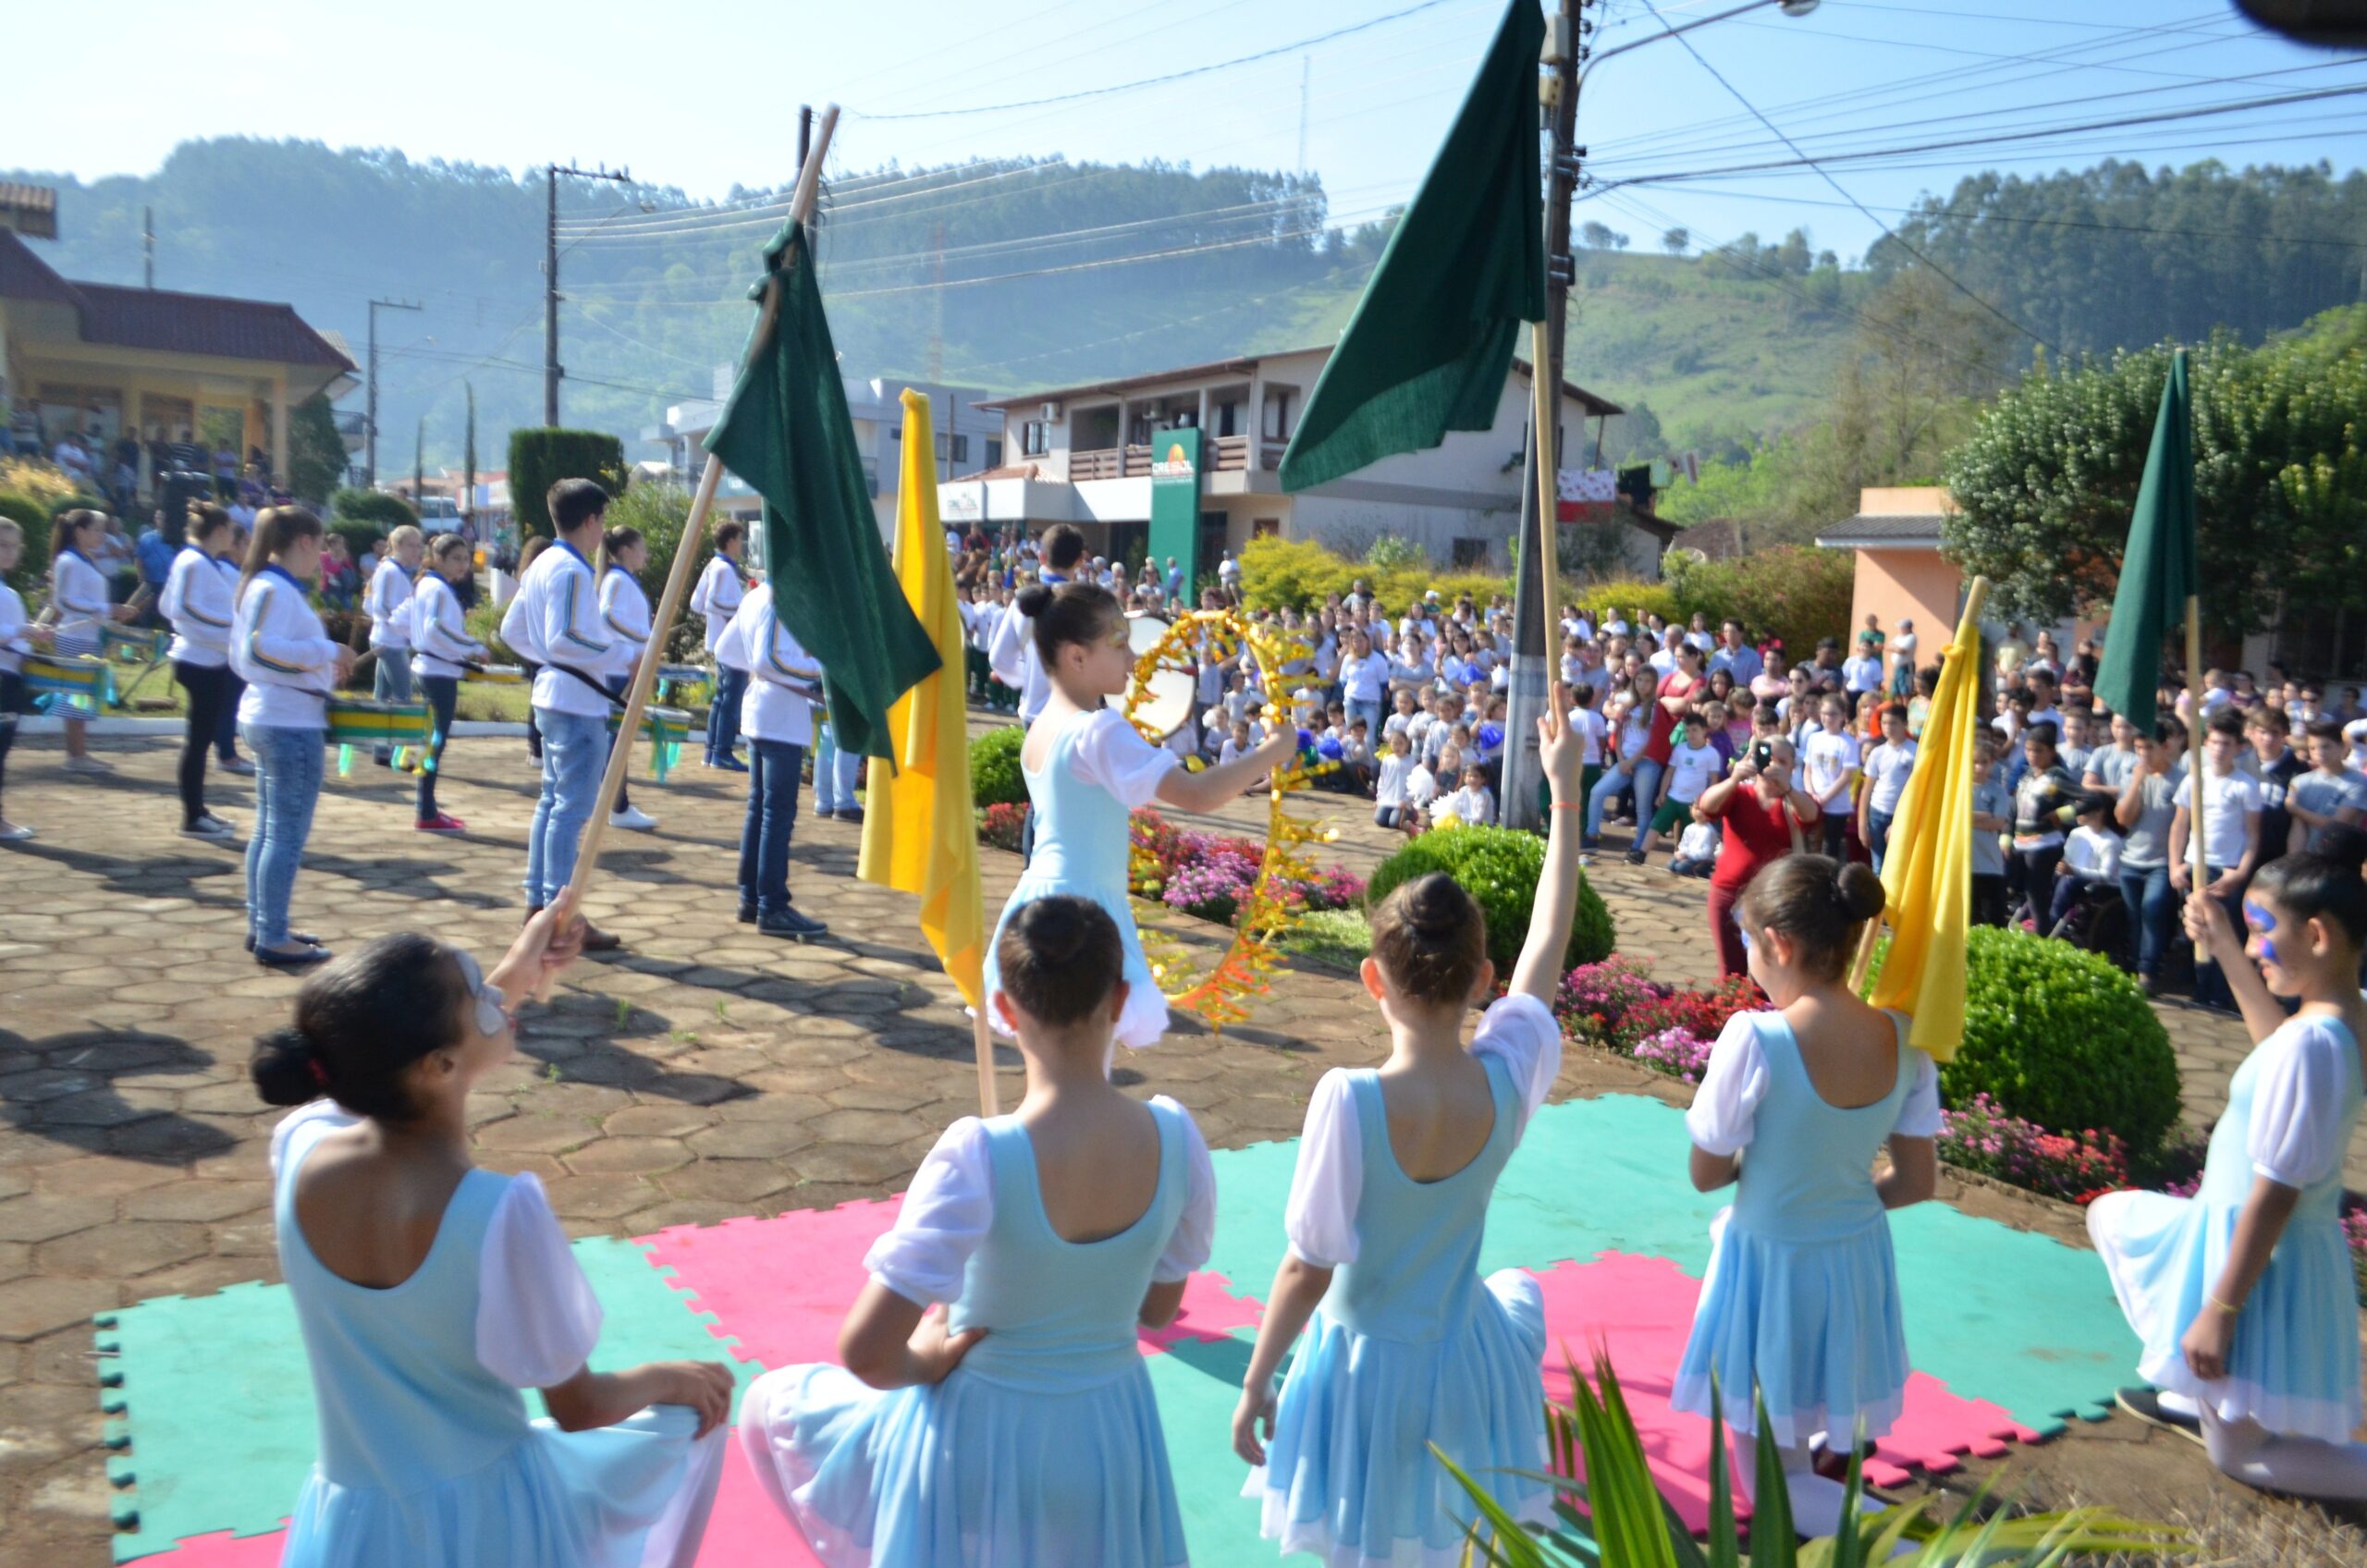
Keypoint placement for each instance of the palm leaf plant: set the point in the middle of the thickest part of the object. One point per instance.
(1617, 1517)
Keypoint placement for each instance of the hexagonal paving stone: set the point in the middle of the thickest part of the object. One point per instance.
(124, 1250)
(627, 1157)
(39, 1303)
(749, 1140)
(41, 1216)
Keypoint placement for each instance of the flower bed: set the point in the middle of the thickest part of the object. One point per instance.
(1618, 1004)
(2074, 1166)
(1204, 875)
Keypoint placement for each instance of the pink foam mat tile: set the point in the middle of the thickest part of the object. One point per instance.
(780, 1285)
(1640, 1309)
(1210, 1311)
(220, 1549)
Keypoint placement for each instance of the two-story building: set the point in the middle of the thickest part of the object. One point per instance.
(966, 439)
(1088, 454)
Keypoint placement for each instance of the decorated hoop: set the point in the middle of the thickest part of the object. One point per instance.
(1222, 995)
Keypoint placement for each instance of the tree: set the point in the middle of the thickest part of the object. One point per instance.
(1636, 435)
(2049, 475)
(1676, 241)
(1793, 257)
(1596, 236)
(315, 452)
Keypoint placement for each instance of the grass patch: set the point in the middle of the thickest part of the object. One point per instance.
(1341, 938)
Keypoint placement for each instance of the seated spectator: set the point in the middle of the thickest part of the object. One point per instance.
(2091, 858)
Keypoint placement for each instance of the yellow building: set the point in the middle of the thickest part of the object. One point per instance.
(98, 360)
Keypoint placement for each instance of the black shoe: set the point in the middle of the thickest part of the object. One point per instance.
(747, 915)
(303, 958)
(2145, 1403)
(788, 923)
(849, 813)
(292, 936)
(1635, 857)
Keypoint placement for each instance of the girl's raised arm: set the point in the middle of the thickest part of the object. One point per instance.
(1563, 753)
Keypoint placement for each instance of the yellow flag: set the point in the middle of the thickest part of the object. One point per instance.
(1928, 870)
(919, 832)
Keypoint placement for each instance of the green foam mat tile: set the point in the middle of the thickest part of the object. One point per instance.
(216, 1403)
(1198, 1383)
(216, 1426)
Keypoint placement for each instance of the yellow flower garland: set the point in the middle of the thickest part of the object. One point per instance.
(1223, 993)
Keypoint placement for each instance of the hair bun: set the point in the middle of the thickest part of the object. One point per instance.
(1436, 904)
(286, 1069)
(1860, 890)
(1034, 600)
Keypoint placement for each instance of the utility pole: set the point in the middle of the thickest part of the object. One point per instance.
(1535, 613)
(551, 371)
(370, 398)
(148, 243)
(1306, 73)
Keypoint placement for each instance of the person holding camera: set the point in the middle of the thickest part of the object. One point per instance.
(1762, 816)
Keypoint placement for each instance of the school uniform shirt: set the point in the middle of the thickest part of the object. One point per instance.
(1698, 841)
(718, 597)
(1394, 770)
(2324, 793)
(1691, 770)
(1887, 771)
(1862, 675)
(439, 629)
(1991, 798)
(388, 603)
(197, 601)
(2225, 802)
(14, 644)
(624, 610)
(1014, 661)
(783, 679)
(2093, 852)
(2275, 779)
(78, 591)
(2110, 768)
(1592, 731)
(1475, 808)
(1828, 759)
(555, 618)
(280, 648)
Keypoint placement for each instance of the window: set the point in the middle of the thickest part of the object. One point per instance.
(1470, 553)
(1277, 426)
(1266, 528)
(1036, 434)
(944, 445)
(895, 433)
(960, 448)
(994, 453)
(1229, 417)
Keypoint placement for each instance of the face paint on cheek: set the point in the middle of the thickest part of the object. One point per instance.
(2258, 916)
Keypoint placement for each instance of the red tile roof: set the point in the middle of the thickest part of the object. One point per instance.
(168, 322)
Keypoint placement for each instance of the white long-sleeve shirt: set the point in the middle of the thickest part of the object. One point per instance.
(1014, 661)
(625, 608)
(282, 652)
(783, 678)
(720, 591)
(197, 601)
(440, 630)
(556, 616)
(78, 591)
(14, 644)
(388, 603)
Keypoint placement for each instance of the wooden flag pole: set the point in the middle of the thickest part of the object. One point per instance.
(1549, 532)
(2194, 744)
(661, 626)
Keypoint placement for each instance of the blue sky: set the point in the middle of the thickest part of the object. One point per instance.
(704, 97)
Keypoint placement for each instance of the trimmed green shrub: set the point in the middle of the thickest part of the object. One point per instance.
(2062, 1037)
(386, 512)
(1795, 592)
(1499, 867)
(1630, 600)
(995, 778)
(540, 458)
(661, 511)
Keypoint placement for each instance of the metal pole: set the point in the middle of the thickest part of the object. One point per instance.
(148, 243)
(550, 295)
(1534, 611)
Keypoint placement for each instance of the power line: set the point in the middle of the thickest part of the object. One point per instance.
(1986, 217)
(1170, 76)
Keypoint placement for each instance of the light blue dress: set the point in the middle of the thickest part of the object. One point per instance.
(1410, 1347)
(427, 1457)
(2294, 1364)
(1802, 1293)
(1043, 1448)
(1098, 769)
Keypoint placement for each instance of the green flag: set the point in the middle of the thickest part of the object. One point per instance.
(2157, 572)
(1427, 349)
(785, 432)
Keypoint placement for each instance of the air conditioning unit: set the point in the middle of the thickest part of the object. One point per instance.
(1050, 413)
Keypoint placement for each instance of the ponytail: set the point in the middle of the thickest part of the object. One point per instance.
(275, 528)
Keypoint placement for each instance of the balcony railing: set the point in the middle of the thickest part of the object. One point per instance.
(1226, 454)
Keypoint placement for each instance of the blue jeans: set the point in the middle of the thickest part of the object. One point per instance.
(575, 747)
(773, 770)
(390, 682)
(1370, 711)
(2153, 910)
(1878, 828)
(1646, 781)
(288, 785)
(723, 711)
(835, 773)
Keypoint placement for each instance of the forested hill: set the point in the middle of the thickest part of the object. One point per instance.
(950, 272)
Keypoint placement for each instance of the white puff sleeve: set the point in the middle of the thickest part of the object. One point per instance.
(1919, 1116)
(1195, 1232)
(1112, 754)
(1726, 1105)
(303, 1125)
(2296, 1136)
(537, 1318)
(1522, 1032)
(1320, 1218)
(945, 1217)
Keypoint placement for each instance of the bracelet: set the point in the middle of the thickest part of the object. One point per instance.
(1569, 805)
(2214, 1301)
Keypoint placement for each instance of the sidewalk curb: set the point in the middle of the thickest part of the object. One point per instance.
(45, 724)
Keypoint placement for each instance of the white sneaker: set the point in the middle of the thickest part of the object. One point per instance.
(209, 827)
(633, 818)
(86, 765)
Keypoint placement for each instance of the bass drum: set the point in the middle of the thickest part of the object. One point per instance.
(1166, 705)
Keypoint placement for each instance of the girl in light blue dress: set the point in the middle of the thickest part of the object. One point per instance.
(1016, 1427)
(429, 1292)
(1087, 768)
(1405, 1346)
(2243, 1293)
(1800, 1304)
